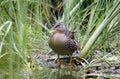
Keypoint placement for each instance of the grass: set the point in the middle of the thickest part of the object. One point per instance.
(25, 27)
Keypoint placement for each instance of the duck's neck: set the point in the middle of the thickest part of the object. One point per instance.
(66, 32)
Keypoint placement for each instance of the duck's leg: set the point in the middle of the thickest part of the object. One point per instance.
(70, 63)
(58, 60)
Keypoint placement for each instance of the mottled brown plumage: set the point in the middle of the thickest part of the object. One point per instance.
(62, 41)
(71, 34)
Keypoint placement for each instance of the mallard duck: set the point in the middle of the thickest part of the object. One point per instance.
(62, 41)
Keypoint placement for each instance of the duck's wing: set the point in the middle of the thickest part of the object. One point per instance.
(71, 45)
(70, 34)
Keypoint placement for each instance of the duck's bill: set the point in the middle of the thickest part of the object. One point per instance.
(52, 31)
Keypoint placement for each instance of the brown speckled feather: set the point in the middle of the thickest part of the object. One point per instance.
(71, 34)
(71, 45)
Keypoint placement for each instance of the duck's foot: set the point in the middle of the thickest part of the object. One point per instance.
(58, 63)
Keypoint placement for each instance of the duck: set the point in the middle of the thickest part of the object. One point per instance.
(62, 42)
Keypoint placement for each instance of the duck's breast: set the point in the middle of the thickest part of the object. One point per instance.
(57, 43)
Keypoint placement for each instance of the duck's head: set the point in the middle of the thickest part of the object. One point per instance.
(59, 28)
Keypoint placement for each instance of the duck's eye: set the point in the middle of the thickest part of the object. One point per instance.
(57, 26)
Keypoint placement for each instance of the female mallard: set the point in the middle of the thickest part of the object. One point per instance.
(62, 41)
